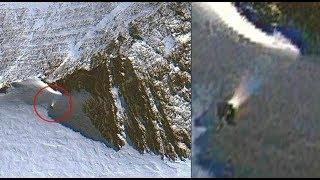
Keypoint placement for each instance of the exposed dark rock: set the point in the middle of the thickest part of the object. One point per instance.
(140, 94)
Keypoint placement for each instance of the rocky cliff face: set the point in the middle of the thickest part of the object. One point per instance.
(133, 58)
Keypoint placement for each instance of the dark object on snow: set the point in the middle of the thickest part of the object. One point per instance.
(4, 89)
(226, 111)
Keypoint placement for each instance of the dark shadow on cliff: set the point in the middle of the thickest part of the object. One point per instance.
(78, 120)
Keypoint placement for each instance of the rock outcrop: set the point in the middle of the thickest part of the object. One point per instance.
(133, 58)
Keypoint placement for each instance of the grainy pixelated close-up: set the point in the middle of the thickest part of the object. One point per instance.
(255, 90)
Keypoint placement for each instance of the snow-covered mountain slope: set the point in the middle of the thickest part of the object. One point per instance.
(275, 133)
(38, 36)
(34, 148)
(228, 46)
(229, 15)
(134, 60)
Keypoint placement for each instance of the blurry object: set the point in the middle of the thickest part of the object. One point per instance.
(225, 113)
(4, 88)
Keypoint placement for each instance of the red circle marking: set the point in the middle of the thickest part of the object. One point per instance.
(65, 115)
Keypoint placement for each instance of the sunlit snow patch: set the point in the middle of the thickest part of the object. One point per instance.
(31, 148)
(233, 19)
(41, 84)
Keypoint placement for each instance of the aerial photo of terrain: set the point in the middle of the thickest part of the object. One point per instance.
(95, 89)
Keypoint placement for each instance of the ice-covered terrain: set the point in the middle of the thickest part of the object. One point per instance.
(229, 15)
(35, 37)
(134, 60)
(31, 147)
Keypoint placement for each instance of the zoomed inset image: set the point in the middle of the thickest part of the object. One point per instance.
(95, 89)
(255, 89)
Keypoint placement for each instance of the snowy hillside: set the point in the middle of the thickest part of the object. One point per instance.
(33, 148)
(132, 62)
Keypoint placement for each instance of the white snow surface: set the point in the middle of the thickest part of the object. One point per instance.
(229, 15)
(65, 34)
(38, 83)
(34, 148)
